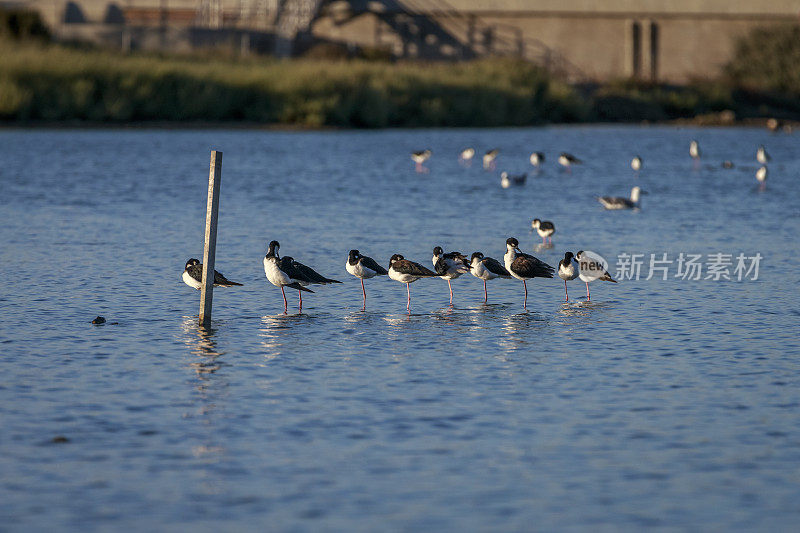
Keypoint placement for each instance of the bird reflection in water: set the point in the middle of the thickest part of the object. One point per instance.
(517, 329)
(541, 247)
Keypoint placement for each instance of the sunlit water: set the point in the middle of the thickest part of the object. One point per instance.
(659, 403)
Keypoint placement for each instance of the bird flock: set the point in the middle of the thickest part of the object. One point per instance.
(287, 272)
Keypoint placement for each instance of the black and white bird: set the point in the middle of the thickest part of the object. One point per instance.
(762, 156)
(489, 159)
(636, 163)
(694, 150)
(568, 270)
(537, 158)
(449, 266)
(591, 268)
(523, 266)
(304, 275)
(567, 160)
(544, 228)
(274, 270)
(193, 276)
(761, 174)
(419, 158)
(363, 267)
(486, 268)
(405, 271)
(618, 202)
(507, 180)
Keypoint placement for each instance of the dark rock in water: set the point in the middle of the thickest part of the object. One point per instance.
(60, 439)
(99, 320)
(727, 164)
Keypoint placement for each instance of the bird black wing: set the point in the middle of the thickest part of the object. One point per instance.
(530, 267)
(404, 266)
(312, 275)
(372, 265)
(222, 281)
(494, 266)
(196, 271)
(290, 268)
(546, 225)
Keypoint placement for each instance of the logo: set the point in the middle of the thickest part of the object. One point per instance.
(593, 265)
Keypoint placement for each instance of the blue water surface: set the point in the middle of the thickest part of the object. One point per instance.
(668, 403)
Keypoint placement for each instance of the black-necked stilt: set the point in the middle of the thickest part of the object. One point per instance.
(466, 155)
(636, 163)
(507, 180)
(761, 174)
(193, 276)
(591, 268)
(694, 151)
(523, 266)
(544, 228)
(568, 270)
(537, 158)
(449, 266)
(363, 267)
(762, 156)
(618, 202)
(405, 271)
(486, 268)
(276, 274)
(490, 159)
(419, 158)
(567, 160)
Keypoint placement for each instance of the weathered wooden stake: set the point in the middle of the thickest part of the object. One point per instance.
(209, 252)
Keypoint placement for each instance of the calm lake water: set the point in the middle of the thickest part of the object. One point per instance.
(669, 403)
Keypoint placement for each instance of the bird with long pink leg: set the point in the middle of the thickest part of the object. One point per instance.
(568, 270)
(363, 267)
(486, 268)
(592, 267)
(524, 266)
(405, 271)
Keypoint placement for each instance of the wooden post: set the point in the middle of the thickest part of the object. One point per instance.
(209, 252)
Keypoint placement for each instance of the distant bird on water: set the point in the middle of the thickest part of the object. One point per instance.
(193, 276)
(405, 271)
(489, 159)
(419, 158)
(761, 174)
(486, 268)
(567, 160)
(591, 268)
(537, 158)
(466, 155)
(636, 163)
(363, 267)
(762, 156)
(507, 180)
(694, 151)
(728, 164)
(618, 202)
(449, 266)
(544, 228)
(568, 270)
(523, 266)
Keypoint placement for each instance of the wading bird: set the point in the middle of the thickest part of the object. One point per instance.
(591, 268)
(193, 276)
(363, 267)
(544, 228)
(523, 266)
(486, 268)
(405, 271)
(568, 270)
(618, 202)
(449, 266)
(276, 274)
(419, 158)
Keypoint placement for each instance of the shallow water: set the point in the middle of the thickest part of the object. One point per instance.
(658, 403)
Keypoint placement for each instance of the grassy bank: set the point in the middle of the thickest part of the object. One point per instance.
(45, 83)
(53, 83)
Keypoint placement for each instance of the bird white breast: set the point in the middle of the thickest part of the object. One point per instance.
(508, 259)
(568, 272)
(190, 281)
(505, 182)
(402, 278)
(481, 272)
(359, 270)
(636, 164)
(275, 275)
(562, 160)
(761, 174)
(544, 232)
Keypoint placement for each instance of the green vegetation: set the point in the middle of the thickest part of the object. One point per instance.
(41, 82)
(54, 83)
